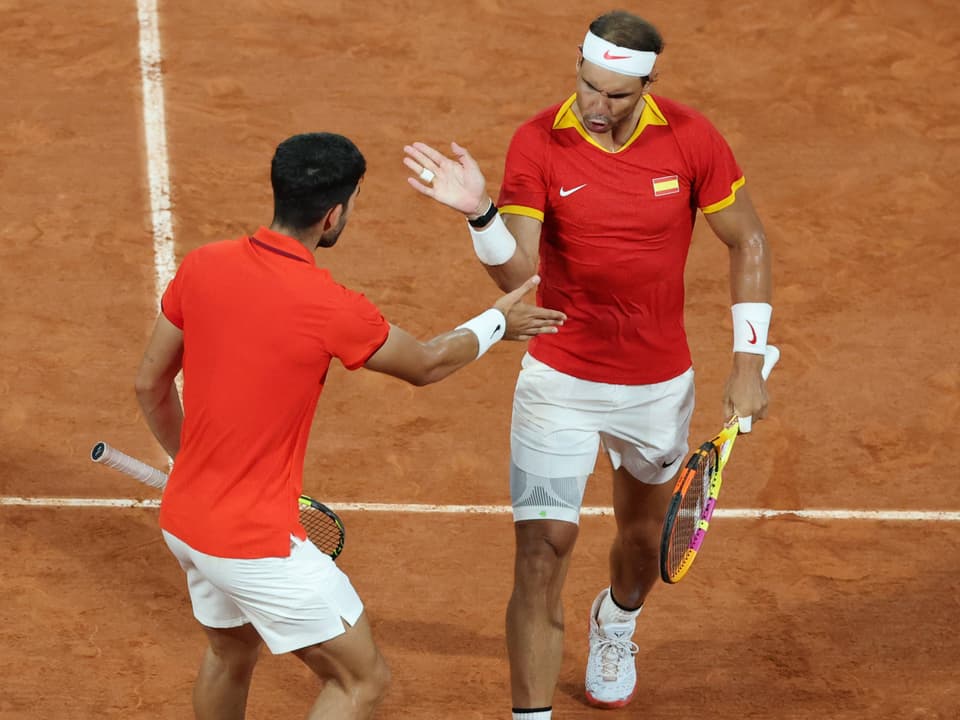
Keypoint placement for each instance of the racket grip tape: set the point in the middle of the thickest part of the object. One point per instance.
(111, 457)
(770, 358)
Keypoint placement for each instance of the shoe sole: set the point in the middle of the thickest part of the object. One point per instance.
(610, 704)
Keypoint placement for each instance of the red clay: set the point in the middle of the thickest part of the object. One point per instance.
(841, 114)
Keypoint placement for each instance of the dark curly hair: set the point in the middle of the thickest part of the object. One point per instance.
(312, 173)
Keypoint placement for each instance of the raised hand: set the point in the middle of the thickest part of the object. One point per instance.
(457, 183)
(525, 321)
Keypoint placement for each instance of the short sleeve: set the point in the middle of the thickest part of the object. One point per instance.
(356, 331)
(716, 174)
(171, 304)
(524, 177)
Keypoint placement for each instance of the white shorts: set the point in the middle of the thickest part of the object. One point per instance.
(293, 601)
(559, 422)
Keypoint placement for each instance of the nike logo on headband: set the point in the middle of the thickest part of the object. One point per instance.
(608, 56)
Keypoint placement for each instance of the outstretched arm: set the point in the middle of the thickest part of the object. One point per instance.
(739, 227)
(423, 363)
(507, 246)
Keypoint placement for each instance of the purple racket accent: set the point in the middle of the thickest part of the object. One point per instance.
(697, 540)
(708, 509)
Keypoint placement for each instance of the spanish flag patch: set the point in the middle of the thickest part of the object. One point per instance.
(669, 185)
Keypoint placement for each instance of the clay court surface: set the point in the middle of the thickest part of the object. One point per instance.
(845, 116)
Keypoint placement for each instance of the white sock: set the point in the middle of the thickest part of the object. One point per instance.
(610, 613)
(535, 714)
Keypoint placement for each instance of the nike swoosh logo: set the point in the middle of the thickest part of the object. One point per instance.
(668, 464)
(571, 191)
(753, 340)
(608, 56)
(495, 331)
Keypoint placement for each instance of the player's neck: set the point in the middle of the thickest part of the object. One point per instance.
(618, 135)
(307, 238)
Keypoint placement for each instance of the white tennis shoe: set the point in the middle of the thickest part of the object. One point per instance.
(611, 678)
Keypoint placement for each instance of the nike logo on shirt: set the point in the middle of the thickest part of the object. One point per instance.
(571, 191)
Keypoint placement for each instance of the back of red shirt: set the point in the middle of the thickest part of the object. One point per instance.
(261, 324)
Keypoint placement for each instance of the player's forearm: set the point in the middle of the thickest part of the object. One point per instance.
(496, 245)
(423, 363)
(750, 273)
(751, 294)
(163, 413)
(444, 355)
(513, 273)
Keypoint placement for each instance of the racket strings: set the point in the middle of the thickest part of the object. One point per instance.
(323, 530)
(690, 511)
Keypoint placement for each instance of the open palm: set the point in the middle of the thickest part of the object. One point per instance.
(457, 183)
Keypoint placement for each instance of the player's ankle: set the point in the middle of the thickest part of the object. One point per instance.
(624, 608)
(542, 713)
(610, 611)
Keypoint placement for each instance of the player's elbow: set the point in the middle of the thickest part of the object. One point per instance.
(420, 380)
(753, 242)
(148, 389)
(426, 374)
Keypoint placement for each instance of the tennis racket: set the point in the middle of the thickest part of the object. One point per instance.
(323, 526)
(696, 492)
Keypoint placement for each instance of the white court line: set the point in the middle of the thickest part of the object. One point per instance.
(151, 73)
(734, 513)
(158, 164)
(158, 172)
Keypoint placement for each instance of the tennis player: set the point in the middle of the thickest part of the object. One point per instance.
(255, 323)
(601, 192)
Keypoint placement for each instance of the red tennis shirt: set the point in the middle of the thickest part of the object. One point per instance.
(261, 323)
(616, 231)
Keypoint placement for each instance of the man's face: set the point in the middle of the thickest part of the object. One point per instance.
(330, 237)
(605, 98)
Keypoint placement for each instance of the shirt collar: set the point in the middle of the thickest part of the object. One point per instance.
(284, 245)
(567, 118)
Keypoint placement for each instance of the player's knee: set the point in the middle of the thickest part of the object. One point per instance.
(373, 688)
(236, 649)
(542, 547)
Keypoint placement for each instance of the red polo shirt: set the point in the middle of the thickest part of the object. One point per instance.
(261, 323)
(616, 232)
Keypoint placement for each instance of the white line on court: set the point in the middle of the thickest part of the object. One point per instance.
(158, 172)
(734, 513)
(151, 73)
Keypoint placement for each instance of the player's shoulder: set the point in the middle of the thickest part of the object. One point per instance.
(212, 254)
(217, 248)
(541, 124)
(330, 291)
(686, 121)
(547, 116)
(679, 114)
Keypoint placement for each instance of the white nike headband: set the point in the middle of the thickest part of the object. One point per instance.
(636, 63)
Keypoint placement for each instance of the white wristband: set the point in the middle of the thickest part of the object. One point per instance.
(489, 327)
(494, 245)
(751, 321)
